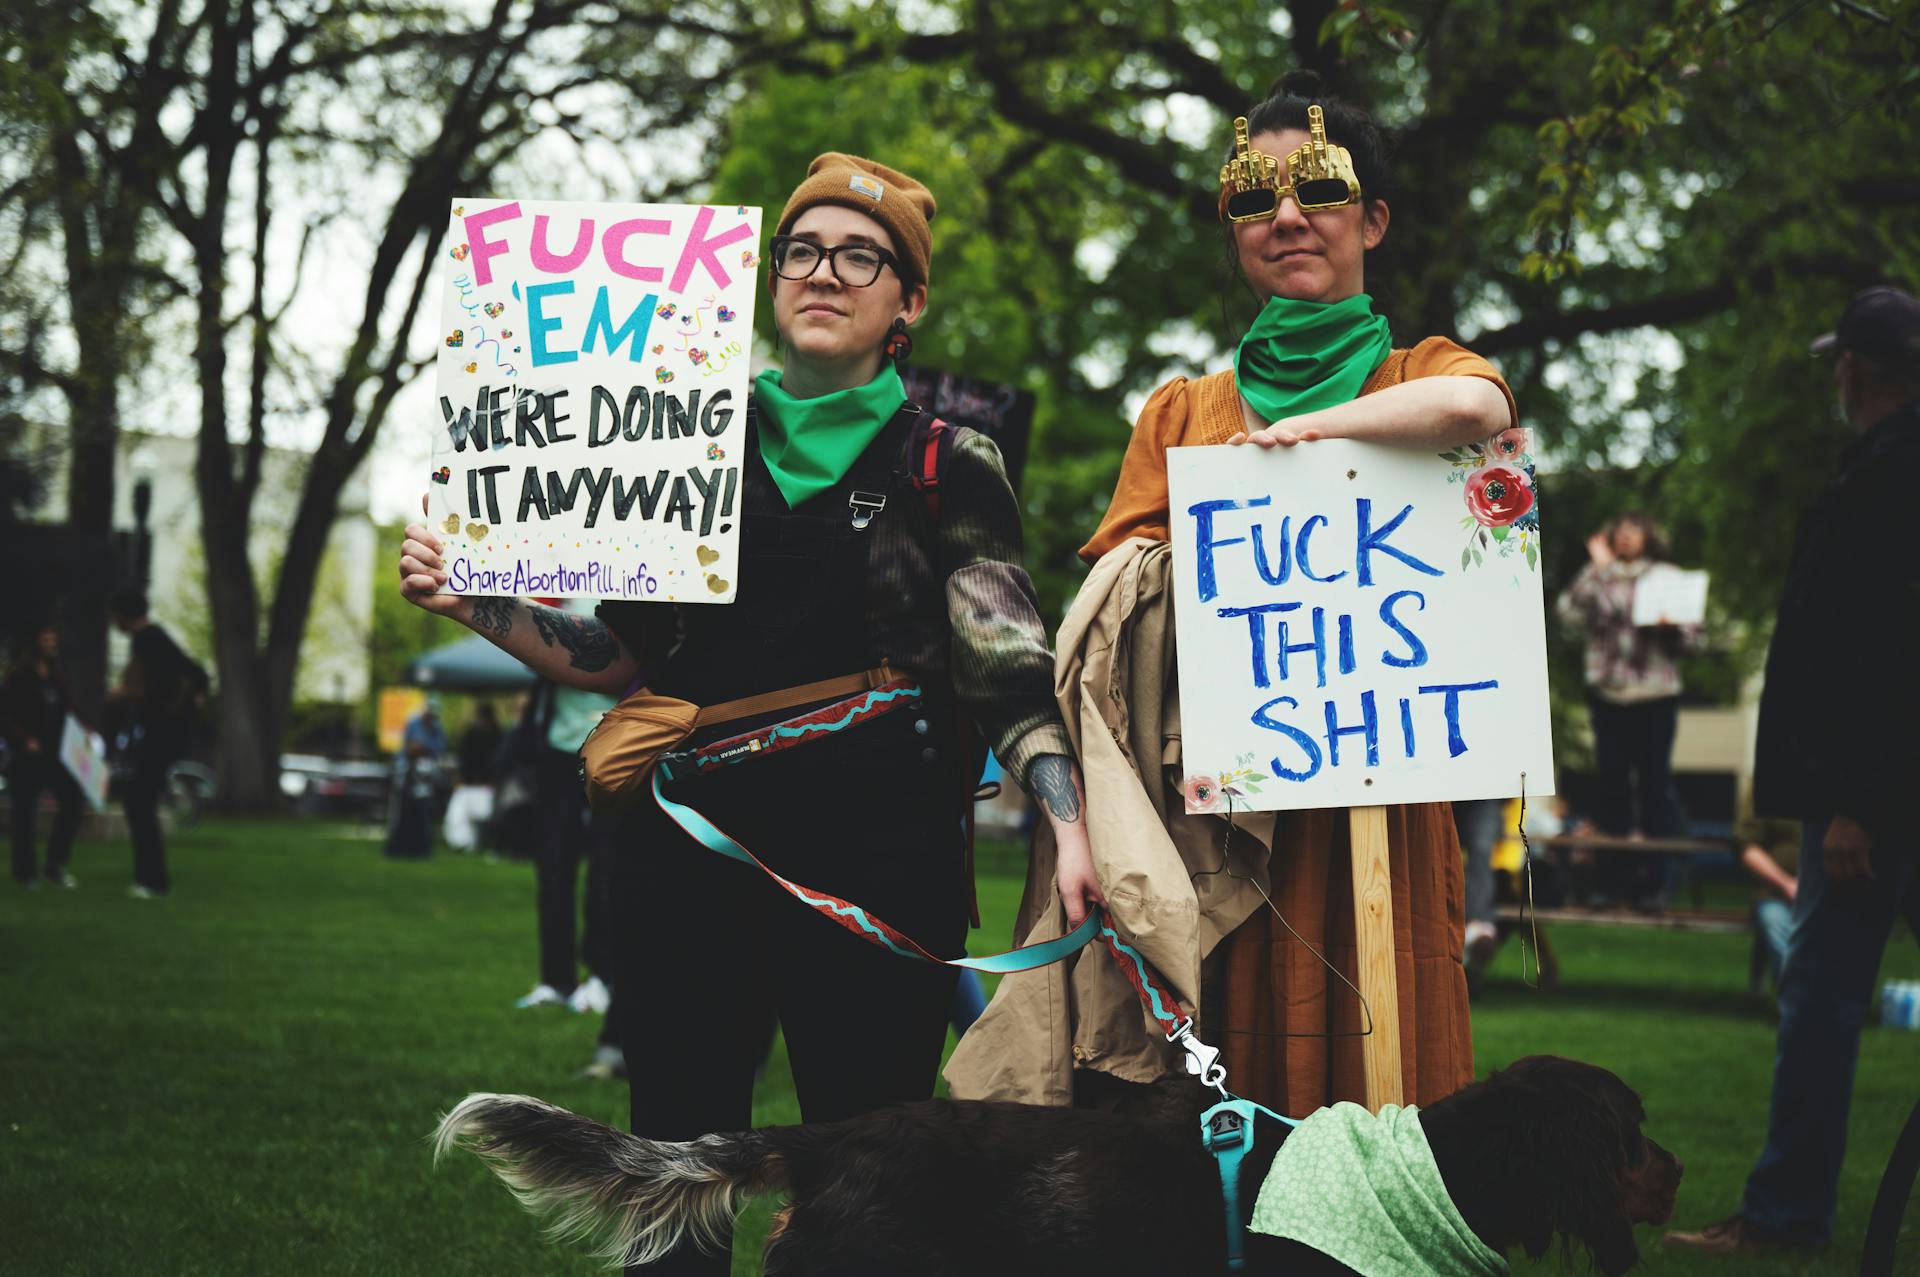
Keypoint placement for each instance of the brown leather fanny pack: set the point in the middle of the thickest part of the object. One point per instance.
(619, 755)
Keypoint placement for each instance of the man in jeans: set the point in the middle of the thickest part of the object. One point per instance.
(1837, 751)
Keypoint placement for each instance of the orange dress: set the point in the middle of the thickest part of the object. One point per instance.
(1261, 982)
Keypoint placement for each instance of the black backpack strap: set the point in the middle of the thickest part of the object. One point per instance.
(929, 448)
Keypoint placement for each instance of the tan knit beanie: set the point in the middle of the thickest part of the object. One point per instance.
(888, 196)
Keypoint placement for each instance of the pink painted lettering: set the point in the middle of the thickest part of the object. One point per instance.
(613, 244)
(706, 251)
(483, 250)
(544, 260)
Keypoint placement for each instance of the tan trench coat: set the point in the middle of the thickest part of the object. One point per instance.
(1114, 678)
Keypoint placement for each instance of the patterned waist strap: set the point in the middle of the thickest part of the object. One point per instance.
(802, 729)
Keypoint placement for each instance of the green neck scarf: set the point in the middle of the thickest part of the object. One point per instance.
(810, 444)
(1365, 1191)
(1301, 356)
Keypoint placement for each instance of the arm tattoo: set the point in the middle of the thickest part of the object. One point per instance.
(588, 641)
(1051, 778)
(493, 617)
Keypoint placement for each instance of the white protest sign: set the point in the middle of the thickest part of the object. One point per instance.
(84, 755)
(593, 391)
(1666, 595)
(1359, 624)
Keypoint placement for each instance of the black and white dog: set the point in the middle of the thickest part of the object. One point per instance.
(1546, 1147)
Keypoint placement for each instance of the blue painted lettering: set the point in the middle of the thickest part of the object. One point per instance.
(1308, 746)
(1257, 633)
(1204, 544)
(1456, 743)
(1416, 650)
(1368, 727)
(1318, 646)
(1371, 541)
(538, 325)
(1306, 534)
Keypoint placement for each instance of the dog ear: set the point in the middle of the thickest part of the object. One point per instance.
(1610, 1242)
(1586, 1133)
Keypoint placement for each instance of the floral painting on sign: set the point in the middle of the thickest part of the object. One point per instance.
(1503, 503)
(1216, 792)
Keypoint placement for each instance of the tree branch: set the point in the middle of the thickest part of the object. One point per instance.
(1663, 311)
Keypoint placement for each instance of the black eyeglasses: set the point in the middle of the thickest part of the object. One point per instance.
(855, 265)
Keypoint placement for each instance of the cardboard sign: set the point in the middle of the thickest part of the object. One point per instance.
(593, 391)
(84, 754)
(1359, 624)
(1666, 595)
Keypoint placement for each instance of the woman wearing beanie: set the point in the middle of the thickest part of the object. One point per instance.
(1318, 362)
(844, 567)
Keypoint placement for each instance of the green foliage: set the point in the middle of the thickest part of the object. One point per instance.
(1641, 211)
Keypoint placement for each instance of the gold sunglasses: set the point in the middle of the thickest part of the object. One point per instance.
(1322, 173)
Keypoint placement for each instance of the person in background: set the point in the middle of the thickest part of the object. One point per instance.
(33, 717)
(569, 834)
(471, 805)
(416, 784)
(425, 735)
(1770, 853)
(1837, 751)
(1478, 823)
(1633, 696)
(162, 690)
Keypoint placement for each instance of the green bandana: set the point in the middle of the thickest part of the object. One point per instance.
(810, 444)
(1300, 356)
(1365, 1191)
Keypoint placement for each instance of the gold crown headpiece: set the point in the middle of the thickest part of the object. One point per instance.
(1322, 175)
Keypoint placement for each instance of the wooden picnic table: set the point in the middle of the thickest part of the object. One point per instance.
(1665, 846)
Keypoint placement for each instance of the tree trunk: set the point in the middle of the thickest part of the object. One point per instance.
(248, 763)
(249, 753)
(94, 405)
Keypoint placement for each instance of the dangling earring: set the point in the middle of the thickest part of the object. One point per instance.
(899, 344)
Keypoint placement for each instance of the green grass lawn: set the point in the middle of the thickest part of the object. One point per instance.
(239, 1079)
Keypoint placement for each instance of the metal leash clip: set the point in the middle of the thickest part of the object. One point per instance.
(864, 506)
(1203, 1061)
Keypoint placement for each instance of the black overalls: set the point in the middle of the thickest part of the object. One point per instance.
(716, 952)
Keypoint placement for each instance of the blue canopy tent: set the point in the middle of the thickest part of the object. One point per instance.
(471, 664)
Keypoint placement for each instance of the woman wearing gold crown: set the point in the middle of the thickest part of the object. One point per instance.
(1302, 205)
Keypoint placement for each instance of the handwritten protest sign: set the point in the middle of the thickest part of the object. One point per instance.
(85, 756)
(1666, 595)
(1359, 624)
(593, 376)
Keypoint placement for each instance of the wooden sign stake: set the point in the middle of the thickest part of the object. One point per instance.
(1373, 941)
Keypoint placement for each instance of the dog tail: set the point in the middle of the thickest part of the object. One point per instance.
(631, 1200)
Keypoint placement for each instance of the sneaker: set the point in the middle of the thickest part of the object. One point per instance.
(1733, 1235)
(543, 995)
(608, 1063)
(591, 996)
(139, 892)
(62, 879)
(1482, 939)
